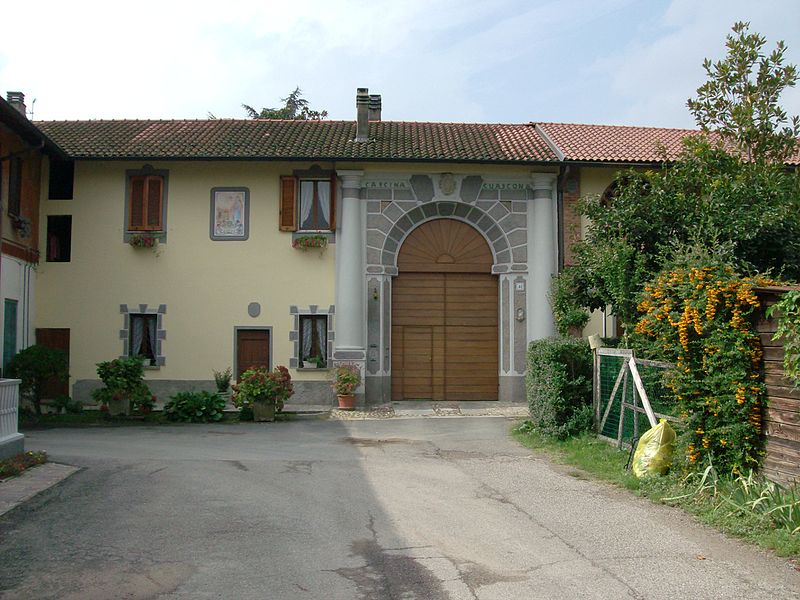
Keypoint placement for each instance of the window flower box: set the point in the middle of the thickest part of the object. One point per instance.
(143, 240)
(22, 225)
(306, 242)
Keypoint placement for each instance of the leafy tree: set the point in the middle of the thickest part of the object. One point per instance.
(295, 108)
(728, 192)
(36, 366)
(740, 99)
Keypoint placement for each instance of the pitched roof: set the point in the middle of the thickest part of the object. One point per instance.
(20, 125)
(615, 143)
(262, 139)
(619, 143)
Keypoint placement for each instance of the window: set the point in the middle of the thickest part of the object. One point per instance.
(143, 333)
(315, 205)
(313, 340)
(146, 203)
(59, 238)
(62, 177)
(142, 337)
(14, 185)
(308, 201)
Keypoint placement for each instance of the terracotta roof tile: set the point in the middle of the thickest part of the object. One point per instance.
(263, 139)
(618, 143)
(292, 140)
(614, 143)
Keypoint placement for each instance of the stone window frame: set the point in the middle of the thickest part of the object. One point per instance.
(144, 171)
(294, 334)
(161, 333)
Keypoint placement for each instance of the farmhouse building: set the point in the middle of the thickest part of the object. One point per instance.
(422, 252)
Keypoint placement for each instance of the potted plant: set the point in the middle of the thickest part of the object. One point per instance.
(314, 362)
(346, 378)
(307, 242)
(143, 240)
(222, 379)
(263, 391)
(125, 389)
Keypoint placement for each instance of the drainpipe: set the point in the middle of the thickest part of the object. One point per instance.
(563, 173)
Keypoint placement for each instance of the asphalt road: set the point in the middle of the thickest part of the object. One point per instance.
(422, 509)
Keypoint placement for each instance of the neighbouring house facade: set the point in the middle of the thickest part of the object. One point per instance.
(441, 242)
(23, 149)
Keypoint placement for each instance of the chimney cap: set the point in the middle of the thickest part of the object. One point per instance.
(15, 97)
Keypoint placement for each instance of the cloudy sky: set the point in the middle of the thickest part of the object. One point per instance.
(588, 61)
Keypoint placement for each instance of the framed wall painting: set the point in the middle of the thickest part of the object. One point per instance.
(230, 214)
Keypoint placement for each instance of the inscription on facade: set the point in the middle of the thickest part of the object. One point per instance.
(509, 185)
(387, 185)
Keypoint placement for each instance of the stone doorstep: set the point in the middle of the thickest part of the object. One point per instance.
(31, 482)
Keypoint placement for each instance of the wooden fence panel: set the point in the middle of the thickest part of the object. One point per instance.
(782, 413)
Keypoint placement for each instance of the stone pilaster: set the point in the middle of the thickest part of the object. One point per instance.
(350, 340)
(379, 314)
(543, 254)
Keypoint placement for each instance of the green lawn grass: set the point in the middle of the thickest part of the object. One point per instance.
(597, 459)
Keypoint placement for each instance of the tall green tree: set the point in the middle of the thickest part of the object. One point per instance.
(295, 107)
(729, 191)
(741, 99)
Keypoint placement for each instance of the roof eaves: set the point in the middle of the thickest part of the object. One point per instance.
(28, 131)
(344, 159)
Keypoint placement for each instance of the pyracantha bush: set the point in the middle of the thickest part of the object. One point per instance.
(703, 321)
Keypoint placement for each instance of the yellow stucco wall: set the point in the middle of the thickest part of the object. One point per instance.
(206, 285)
(594, 181)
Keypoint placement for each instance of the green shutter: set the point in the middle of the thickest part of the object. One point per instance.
(9, 332)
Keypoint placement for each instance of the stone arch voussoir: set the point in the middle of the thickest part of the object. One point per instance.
(485, 224)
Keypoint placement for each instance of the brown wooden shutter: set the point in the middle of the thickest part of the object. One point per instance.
(136, 208)
(288, 204)
(155, 186)
(333, 202)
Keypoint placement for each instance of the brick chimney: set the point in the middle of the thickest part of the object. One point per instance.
(362, 114)
(374, 107)
(17, 100)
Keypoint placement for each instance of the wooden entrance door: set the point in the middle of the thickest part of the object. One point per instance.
(58, 339)
(252, 350)
(444, 316)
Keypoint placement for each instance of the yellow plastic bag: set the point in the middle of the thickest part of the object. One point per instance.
(654, 451)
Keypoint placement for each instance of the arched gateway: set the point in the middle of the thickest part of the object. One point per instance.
(444, 315)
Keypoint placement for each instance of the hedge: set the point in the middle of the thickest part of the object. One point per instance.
(558, 381)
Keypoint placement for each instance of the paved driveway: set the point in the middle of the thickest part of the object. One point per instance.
(414, 508)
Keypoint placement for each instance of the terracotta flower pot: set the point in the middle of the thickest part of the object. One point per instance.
(119, 406)
(263, 411)
(346, 401)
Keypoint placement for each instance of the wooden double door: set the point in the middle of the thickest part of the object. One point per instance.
(445, 316)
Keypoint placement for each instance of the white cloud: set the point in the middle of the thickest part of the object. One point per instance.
(651, 78)
(459, 60)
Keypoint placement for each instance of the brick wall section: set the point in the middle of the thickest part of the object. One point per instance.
(571, 220)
